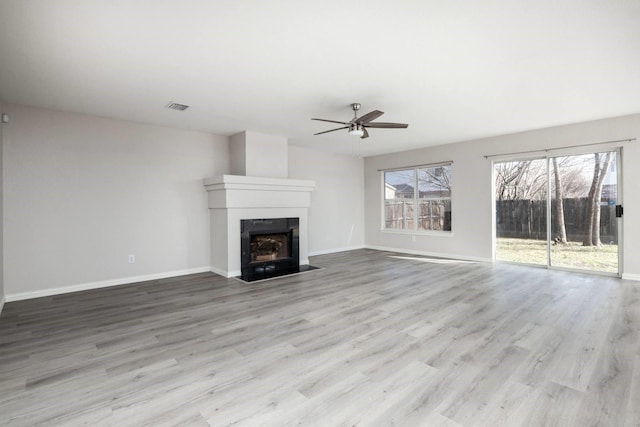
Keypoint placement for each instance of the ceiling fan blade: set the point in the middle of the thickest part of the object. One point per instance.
(326, 131)
(365, 134)
(382, 125)
(331, 121)
(368, 117)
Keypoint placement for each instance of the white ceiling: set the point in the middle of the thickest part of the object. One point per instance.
(454, 70)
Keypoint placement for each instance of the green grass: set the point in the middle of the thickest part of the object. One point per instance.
(570, 255)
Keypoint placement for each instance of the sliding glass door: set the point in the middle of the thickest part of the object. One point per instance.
(584, 227)
(559, 211)
(521, 212)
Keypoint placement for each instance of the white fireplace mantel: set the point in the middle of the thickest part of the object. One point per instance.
(233, 191)
(233, 198)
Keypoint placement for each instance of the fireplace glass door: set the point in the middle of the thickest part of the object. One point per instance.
(269, 247)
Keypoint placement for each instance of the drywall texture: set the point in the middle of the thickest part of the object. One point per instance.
(472, 208)
(1, 215)
(336, 213)
(237, 154)
(258, 154)
(83, 193)
(266, 155)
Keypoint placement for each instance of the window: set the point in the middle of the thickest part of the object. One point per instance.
(418, 199)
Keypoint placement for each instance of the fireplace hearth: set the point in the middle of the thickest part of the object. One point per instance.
(269, 248)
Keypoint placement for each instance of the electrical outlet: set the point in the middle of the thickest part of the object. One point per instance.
(132, 259)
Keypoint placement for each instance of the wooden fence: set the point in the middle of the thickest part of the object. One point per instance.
(432, 214)
(527, 219)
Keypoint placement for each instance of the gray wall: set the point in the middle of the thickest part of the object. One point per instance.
(2, 125)
(83, 192)
(336, 213)
(472, 220)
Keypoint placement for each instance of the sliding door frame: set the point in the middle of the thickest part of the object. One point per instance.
(560, 153)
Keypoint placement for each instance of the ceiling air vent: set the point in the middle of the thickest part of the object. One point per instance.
(176, 106)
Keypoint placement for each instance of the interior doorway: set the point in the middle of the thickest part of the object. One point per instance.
(560, 212)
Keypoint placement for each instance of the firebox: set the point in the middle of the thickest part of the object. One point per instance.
(269, 247)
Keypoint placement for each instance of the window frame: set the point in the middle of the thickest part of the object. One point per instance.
(416, 201)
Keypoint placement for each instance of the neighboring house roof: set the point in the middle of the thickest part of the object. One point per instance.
(404, 189)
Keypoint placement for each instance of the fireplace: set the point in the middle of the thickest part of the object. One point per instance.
(234, 198)
(269, 247)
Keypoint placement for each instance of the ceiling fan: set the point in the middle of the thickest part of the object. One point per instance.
(358, 125)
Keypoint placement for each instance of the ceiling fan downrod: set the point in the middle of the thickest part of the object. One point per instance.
(355, 107)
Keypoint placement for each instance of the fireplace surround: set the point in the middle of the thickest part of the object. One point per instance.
(234, 198)
(269, 247)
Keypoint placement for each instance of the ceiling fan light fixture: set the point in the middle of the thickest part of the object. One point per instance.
(356, 130)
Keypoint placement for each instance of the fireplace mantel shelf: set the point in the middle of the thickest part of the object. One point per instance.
(237, 182)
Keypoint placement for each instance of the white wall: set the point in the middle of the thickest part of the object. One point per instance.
(82, 193)
(472, 182)
(237, 154)
(1, 216)
(336, 213)
(266, 155)
(258, 154)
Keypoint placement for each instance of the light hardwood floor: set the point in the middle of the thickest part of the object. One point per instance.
(371, 339)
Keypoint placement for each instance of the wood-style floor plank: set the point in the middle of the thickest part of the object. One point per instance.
(371, 339)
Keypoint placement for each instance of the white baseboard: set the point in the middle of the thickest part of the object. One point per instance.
(431, 254)
(102, 284)
(219, 272)
(223, 273)
(627, 276)
(1, 304)
(335, 250)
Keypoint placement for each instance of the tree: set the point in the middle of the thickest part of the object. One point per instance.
(521, 180)
(559, 217)
(601, 163)
(434, 179)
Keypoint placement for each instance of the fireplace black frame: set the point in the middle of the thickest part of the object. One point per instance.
(258, 270)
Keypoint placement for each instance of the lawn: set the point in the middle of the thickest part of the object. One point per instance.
(570, 255)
